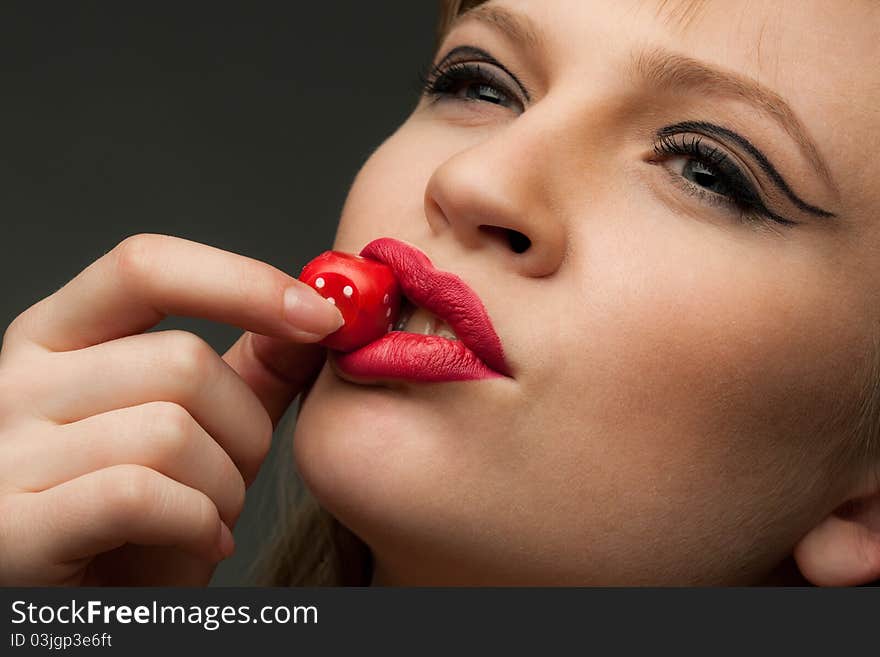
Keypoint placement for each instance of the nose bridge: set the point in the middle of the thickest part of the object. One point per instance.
(505, 181)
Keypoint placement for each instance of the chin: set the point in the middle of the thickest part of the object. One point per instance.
(397, 465)
(363, 451)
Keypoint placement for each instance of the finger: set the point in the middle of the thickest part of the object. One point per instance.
(173, 366)
(276, 370)
(162, 436)
(107, 508)
(147, 277)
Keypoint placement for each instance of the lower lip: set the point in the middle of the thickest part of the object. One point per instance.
(415, 357)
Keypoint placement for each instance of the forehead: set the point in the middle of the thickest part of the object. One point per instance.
(821, 56)
(848, 28)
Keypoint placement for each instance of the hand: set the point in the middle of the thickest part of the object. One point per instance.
(124, 456)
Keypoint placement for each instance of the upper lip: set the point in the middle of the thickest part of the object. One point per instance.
(443, 294)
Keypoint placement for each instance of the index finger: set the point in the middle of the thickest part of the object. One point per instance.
(148, 276)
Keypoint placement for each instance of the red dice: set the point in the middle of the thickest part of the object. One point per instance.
(365, 291)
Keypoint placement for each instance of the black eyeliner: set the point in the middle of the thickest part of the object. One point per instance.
(740, 191)
(484, 57)
(717, 131)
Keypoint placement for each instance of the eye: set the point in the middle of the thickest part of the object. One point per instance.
(469, 81)
(707, 172)
(485, 92)
(484, 81)
(700, 174)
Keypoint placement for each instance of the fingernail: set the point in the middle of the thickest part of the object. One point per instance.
(226, 543)
(305, 336)
(309, 312)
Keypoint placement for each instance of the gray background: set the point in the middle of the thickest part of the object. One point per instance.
(241, 128)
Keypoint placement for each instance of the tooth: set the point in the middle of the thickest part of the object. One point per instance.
(419, 321)
(444, 331)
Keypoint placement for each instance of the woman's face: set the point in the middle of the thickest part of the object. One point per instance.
(684, 364)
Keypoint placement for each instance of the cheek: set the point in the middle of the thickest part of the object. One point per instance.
(750, 341)
(699, 377)
(710, 319)
(387, 195)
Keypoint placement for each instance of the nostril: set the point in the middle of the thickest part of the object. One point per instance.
(518, 242)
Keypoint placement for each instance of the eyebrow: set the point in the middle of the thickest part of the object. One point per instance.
(517, 27)
(669, 70)
(672, 71)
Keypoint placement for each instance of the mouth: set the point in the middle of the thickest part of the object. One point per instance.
(415, 319)
(443, 331)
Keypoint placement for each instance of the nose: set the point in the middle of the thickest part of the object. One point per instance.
(496, 194)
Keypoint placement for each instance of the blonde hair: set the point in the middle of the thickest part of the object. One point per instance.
(310, 547)
(449, 11)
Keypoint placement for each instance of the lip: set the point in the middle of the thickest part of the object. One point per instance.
(477, 354)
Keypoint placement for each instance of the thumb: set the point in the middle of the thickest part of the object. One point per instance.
(276, 369)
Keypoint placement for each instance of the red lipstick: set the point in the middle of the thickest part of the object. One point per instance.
(477, 354)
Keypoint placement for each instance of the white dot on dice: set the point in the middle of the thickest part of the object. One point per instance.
(348, 290)
(319, 283)
(331, 300)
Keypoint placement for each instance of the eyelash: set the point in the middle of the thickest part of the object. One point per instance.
(744, 199)
(440, 81)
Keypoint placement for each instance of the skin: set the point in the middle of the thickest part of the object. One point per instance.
(678, 405)
(124, 455)
(683, 381)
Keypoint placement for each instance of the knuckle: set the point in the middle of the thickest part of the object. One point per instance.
(128, 490)
(171, 427)
(15, 329)
(9, 333)
(133, 255)
(190, 357)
